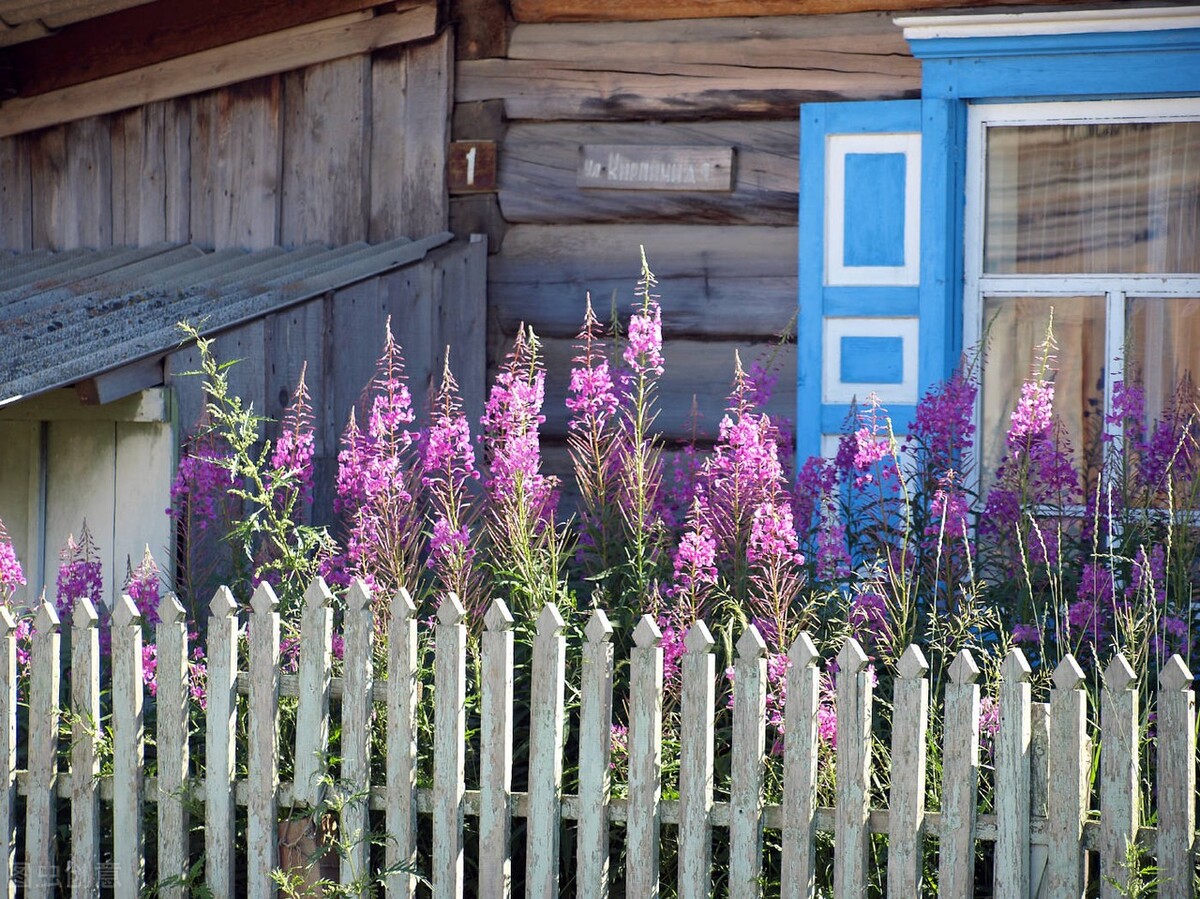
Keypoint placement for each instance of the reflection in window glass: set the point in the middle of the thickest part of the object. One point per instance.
(1016, 327)
(1162, 348)
(1105, 197)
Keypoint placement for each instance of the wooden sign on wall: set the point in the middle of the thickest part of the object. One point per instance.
(633, 167)
(471, 166)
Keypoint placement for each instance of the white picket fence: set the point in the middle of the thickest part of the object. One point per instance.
(1042, 825)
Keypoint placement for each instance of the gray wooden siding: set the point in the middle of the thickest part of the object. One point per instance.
(334, 153)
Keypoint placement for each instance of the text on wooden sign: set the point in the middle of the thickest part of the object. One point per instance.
(655, 168)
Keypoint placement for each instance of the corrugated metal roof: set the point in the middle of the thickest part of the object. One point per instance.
(69, 316)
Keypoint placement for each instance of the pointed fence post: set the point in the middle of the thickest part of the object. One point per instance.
(128, 736)
(545, 754)
(449, 735)
(495, 758)
(262, 812)
(746, 766)
(800, 770)
(220, 722)
(1119, 773)
(8, 753)
(172, 737)
(1012, 779)
(312, 710)
(1070, 757)
(41, 823)
(906, 817)
(358, 679)
(85, 763)
(595, 745)
(401, 776)
(1176, 780)
(960, 780)
(697, 711)
(645, 760)
(852, 833)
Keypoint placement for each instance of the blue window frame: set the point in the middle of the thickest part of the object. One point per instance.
(882, 190)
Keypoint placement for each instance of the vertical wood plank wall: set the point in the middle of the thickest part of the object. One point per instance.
(339, 152)
(726, 261)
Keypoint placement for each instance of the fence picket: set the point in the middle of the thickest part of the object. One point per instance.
(449, 734)
(262, 830)
(85, 763)
(401, 813)
(595, 745)
(851, 832)
(1067, 802)
(960, 780)
(40, 803)
(697, 706)
(129, 785)
(800, 770)
(8, 752)
(1119, 772)
(358, 673)
(1039, 790)
(1176, 728)
(219, 732)
(746, 766)
(172, 738)
(312, 710)
(645, 760)
(906, 803)
(545, 754)
(495, 757)
(1012, 779)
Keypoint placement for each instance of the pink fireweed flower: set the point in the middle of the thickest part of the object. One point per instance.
(510, 433)
(944, 423)
(144, 586)
(203, 478)
(989, 726)
(592, 393)
(79, 574)
(11, 575)
(1034, 415)
(447, 470)
(376, 480)
(773, 537)
(643, 353)
(292, 455)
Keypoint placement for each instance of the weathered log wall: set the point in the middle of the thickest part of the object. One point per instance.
(726, 260)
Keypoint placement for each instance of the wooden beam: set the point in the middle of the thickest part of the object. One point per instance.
(283, 51)
(157, 32)
(649, 10)
(120, 382)
(153, 405)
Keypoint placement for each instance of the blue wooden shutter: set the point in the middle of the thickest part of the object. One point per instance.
(880, 266)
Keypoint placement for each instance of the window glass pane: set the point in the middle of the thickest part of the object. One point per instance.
(1162, 348)
(1115, 197)
(1016, 327)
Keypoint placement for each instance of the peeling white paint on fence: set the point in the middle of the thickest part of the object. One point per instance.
(1042, 823)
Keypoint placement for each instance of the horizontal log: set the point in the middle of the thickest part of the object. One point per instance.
(573, 255)
(539, 174)
(694, 370)
(718, 68)
(639, 10)
(706, 308)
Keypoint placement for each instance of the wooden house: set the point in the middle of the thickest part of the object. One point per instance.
(873, 179)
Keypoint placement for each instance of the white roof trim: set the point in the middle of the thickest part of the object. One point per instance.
(1075, 21)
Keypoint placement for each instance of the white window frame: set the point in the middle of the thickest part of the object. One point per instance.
(1115, 288)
